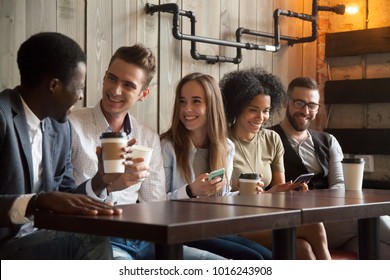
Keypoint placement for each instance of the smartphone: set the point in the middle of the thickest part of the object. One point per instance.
(217, 173)
(303, 178)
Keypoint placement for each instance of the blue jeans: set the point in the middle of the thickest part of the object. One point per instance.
(233, 247)
(143, 250)
(132, 249)
(56, 245)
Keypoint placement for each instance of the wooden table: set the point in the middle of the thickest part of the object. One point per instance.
(326, 205)
(170, 224)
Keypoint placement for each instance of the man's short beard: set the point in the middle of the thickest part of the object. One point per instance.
(293, 123)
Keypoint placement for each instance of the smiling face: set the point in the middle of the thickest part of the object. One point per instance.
(253, 117)
(63, 97)
(122, 88)
(193, 108)
(300, 119)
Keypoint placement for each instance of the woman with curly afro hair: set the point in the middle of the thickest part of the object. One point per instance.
(251, 97)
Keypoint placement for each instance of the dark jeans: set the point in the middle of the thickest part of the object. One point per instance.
(56, 245)
(233, 247)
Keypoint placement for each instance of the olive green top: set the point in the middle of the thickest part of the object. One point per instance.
(263, 154)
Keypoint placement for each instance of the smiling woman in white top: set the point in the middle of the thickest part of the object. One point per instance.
(196, 144)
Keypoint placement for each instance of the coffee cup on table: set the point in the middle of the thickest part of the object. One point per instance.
(112, 144)
(248, 183)
(144, 152)
(353, 169)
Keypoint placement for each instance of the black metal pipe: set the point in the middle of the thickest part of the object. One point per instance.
(267, 34)
(338, 9)
(174, 9)
(277, 29)
(313, 18)
(288, 13)
(209, 58)
(213, 41)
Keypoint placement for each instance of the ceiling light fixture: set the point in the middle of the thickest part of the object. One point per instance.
(352, 9)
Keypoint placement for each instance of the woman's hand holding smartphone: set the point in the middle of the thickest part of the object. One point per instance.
(303, 178)
(209, 184)
(219, 173)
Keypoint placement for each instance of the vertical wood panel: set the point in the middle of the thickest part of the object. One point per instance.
(124, 28)
(229, 25)
(147, 34)
(71, 20)
(41, 15)
(248, 19)
(207, 25)
(279, 59)
(309, 61)
(124, 23)
(287, 63)
(70, 17)
(281, 63)
(309, 50)
(12, 34)
(294, 54)
(169, 68)
(264, 23)
(99, 35)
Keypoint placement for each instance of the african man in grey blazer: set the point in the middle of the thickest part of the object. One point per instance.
(35, 147)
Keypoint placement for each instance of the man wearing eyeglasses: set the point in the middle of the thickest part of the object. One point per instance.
(307, 150)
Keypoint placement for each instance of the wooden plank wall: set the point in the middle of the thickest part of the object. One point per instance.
(373, 14)
(101, 26)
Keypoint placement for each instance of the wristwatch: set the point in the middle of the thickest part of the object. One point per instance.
(189, 191)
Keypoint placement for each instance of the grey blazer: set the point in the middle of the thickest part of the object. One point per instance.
(16, 170)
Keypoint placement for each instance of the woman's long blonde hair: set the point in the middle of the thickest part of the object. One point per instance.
(179, 135)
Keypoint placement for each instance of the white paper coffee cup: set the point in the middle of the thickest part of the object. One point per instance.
(144, 152)
(112, 144)
(248, 183)
(353, 169)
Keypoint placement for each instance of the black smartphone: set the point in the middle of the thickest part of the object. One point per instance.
(303, 178)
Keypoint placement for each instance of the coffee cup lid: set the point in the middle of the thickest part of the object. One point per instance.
(113, 135)
(250, 176)
(352, 160)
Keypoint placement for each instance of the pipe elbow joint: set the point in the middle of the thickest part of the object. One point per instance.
(195, 55)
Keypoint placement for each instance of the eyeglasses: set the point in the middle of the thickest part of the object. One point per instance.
(300, 104)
